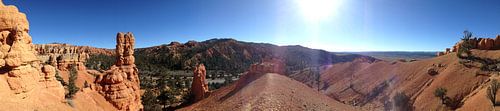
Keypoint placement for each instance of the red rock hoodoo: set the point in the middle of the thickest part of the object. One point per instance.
(199, 87)
(120, 84)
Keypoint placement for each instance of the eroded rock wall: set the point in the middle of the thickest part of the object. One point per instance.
(65, 56)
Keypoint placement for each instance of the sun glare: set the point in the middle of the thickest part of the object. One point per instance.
(318, 10)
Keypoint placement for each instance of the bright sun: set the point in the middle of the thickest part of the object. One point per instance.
(318, 10)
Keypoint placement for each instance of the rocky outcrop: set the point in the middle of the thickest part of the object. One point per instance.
(476, 43)
(486, 44)
(120, 84)
(17, 55)
(199, 87)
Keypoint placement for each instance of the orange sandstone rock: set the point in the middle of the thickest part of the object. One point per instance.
(199, 87)
(120, 84)
(17, 55)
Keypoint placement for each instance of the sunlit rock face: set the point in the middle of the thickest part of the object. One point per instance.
(120, 84)
(199, 87)
(18, 58)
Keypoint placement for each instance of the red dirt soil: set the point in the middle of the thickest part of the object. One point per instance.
(373, 83)
(268, 92)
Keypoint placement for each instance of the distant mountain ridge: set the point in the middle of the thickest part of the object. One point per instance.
(237, 55)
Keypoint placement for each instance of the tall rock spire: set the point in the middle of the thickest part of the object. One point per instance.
(199, 87)
(120, 84)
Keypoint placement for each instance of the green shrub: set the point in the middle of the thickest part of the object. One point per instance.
(441, 93)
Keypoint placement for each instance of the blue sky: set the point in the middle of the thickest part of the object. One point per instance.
(333, 25)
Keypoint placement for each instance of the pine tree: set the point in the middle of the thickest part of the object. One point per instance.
(441, 93)
(59, 78)
(72, 88)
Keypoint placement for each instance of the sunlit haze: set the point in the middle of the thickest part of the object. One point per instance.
(333, 25)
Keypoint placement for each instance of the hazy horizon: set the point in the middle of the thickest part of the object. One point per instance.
(332, 25)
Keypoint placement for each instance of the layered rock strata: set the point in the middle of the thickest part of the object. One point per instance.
(65, 56)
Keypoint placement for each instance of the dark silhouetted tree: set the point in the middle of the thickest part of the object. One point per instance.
(466, 45)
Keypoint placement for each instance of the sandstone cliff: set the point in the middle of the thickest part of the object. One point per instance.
(476, 43)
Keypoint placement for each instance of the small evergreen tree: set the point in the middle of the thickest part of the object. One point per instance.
(165, 98)
(441, 93)
(466, 44)
(72, 88)
(150, 102)
(59, 78)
